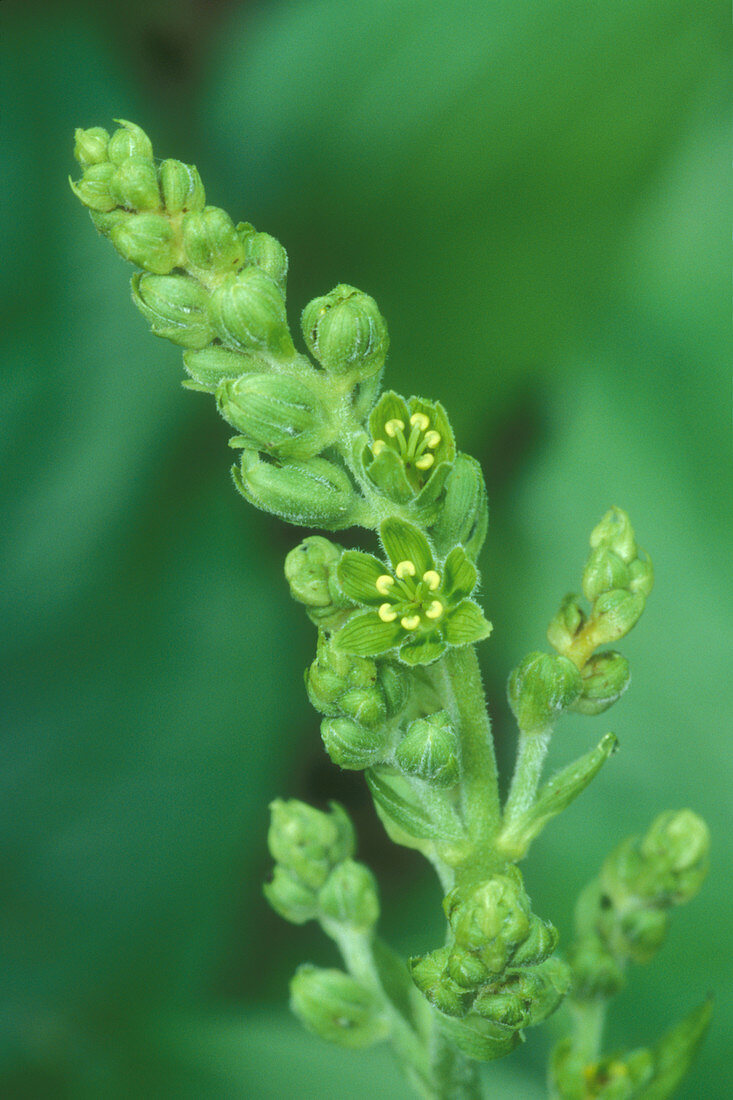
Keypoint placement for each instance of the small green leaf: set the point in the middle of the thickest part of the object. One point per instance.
(389, 407)
(421, 652)
(387, 471)
(676, 1052)
(408, 816)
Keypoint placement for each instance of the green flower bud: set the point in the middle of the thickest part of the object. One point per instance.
(135, 185)
(605, 677)
(677, 849)
(146, 240)
(212, 365)
(483, 1040)
(315, 493)
(249, 312)
(310, 569)
(336, 1007)
(428, 750)
(175, 307)
(641, 576)
(128, 142)
(350, 896)
(307, 842)
(596, 974)
(351, 745)
(266, 253)
(604, 571)
(276, 414)
(289, 897)
(346, 333)
(210, 240)
(641, 932)
(181, 187)
(615, 533)
(365, 705)
(566, 625)
(524, 998)
(503, 1006)
(542, 940)
(93, 189)
(493, 917)
(430, 975)
(540, 689)
(464, 515)
(91, 146)
(466, 968)
(396, 686)
(615, 613)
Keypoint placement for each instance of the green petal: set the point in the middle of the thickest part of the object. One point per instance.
(432, 489)
(466, 623)
(389, 406)
(387, 471)
(357, 573)
(459, 575)
(422, 652)
(366, 635)
(446, 449)
(403, 542)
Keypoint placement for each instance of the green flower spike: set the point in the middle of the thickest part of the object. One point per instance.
(412, 448)
(419, 606)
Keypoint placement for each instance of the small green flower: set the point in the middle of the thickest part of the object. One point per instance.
(412, 447)
(420, 606)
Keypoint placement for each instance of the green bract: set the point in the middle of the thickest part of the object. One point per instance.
(420, 606)
(396, 678)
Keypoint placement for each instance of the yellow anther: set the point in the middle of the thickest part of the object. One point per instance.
(432, 439)
(394, 426)
(425, 462)
(420, 420)
(435, 610)
(405, 569)
(432, 579)
(387, 614)
(410, 622)
(378, 446)
(383, 584)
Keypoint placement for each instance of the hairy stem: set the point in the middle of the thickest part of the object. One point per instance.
(531, 753)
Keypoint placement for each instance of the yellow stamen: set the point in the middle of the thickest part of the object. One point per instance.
(386, 614)
(435, 610)
(394, 426)
(425, 462)
(383, 584)
(432, 579)
(410, 622)
(378, 446)
(420, 420)
(405, 569)
(432, 439)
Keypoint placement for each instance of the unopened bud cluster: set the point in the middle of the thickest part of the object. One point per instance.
(495, 977)
(624, 914)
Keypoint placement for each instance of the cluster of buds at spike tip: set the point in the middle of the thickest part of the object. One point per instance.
(418, 606)
(358, 697)
(624, 914)
(617, 580)
(337, 1008)
(306, 845)
(411, 450)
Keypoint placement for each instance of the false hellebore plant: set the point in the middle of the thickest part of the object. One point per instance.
(396, 676)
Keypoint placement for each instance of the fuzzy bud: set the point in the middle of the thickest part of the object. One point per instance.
(91, 146)
(129, 141)
(93, 189)
(210, 240)
(492, 917)
(277, 414)
(428, 750)
(307, 842)
(249, 312)
(289, 897)
(135, 185)
(336, 1007)
(350, 896)
(605, 677)
(351, 745)
(314, 493)
(146, 240)
(346, 333)
(540, 689)
(181, 187)
(175, 307)
(266, 253)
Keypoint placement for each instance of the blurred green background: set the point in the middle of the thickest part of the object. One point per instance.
(536, 193)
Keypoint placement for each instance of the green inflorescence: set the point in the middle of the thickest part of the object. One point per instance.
(395, 676)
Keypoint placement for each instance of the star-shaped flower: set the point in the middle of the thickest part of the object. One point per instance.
(417, 605)
(412, 448)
